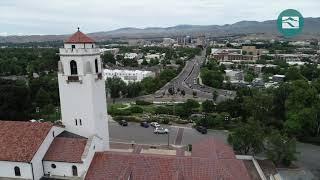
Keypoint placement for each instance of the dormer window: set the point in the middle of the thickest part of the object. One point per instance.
(73, 67)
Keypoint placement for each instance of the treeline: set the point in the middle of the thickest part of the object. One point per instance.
(24, 100)
(118, 88)
(23, 61)
(212, 74)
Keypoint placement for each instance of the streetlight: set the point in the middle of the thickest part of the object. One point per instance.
(169, 138)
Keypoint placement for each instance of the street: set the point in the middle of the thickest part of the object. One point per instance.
(187, 81)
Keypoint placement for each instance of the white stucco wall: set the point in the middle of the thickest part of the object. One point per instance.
(35, 166)
(37, 159)
(7, 169)
(79, 45)
(65, 169)
(85, 100)
(62, 168)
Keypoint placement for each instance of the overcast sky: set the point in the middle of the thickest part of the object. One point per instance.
(21, 17)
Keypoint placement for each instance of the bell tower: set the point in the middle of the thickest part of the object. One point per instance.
(82, 89)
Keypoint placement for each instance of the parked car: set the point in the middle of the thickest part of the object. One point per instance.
(123, 123)
(144, 124)
(161, 130)
(201, 129)
(155, 124)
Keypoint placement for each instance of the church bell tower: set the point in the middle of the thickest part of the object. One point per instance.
(82, 89)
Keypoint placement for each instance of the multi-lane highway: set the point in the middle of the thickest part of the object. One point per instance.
(187, 81)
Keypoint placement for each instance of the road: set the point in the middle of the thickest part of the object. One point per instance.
(187, 81)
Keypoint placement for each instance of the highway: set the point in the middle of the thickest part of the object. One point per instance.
(187, 81)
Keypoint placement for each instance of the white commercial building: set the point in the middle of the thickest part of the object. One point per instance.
(130, 55)
(128, 75)
(158, 56)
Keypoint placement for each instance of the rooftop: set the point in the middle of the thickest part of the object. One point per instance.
(210, 159)
(64, 149)
(19, 141)
(79, 37)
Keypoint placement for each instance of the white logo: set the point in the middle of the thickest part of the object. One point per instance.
(290, 22)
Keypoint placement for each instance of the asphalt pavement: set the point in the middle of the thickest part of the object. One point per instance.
(187, 81)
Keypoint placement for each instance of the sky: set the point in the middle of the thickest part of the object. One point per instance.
(27, 17)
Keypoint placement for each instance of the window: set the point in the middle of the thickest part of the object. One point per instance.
(80, 122)
(76, 122)
(52, 133)
(73, 67)
(53, 166)
(96, 65)
(17, 171)
(73, 46)
(74, 171)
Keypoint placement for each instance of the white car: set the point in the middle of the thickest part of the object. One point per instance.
(161, 130)
(155, 124)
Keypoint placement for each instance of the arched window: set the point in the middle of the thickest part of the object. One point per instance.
(73, 67)
(17, 171)
(96, 65)
(74, 171)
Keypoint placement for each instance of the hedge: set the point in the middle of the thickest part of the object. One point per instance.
(143, 103)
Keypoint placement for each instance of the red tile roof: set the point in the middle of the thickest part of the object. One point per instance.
(65, 149)
(79, 37)
(111, 165)
(19, 141)
(212, 148)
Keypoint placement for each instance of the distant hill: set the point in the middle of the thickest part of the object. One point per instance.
(267, 28)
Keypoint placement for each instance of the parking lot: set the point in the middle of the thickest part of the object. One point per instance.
(140, 135)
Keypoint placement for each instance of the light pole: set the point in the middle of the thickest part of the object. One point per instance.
(169, 138)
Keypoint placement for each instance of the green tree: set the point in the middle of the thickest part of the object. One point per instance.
(115, 86)
(191, 104)
(208, 106)
(15, 100)
(281, 149)
(247, 138)
(42, 98)
(133, 89)
(294, 74)
(215, 95)
(108, 58)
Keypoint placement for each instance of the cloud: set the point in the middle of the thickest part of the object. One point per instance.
(61, 16)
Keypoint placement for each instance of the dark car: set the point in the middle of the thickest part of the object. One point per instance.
(144, 124)
(201, 129)
(123, 123)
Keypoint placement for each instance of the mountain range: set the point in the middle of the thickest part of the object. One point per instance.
(263, 30)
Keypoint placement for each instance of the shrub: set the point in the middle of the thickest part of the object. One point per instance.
(119, 112)
(127, 118)
(143, 103)
(163, 110)
(136, 109)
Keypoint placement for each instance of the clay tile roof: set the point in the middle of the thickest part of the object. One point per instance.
(212, 148)
(109, 165)
(19, 141)
(79, 37)
(64, 149)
